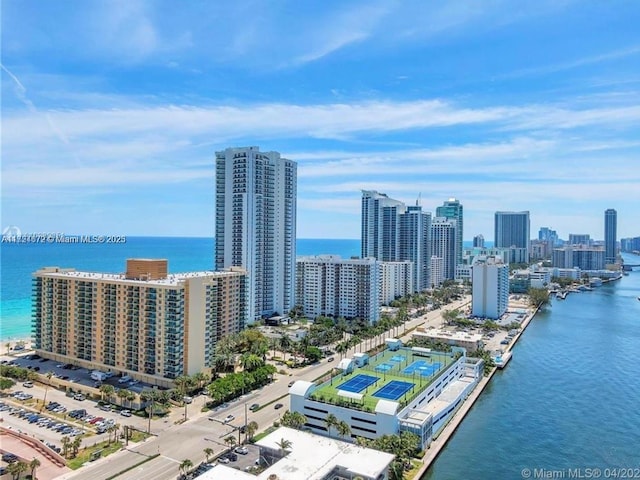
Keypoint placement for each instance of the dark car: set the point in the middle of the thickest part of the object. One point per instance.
(232, 456)
(11, 458)
(254, 407)
(330, 359)
(278, 406)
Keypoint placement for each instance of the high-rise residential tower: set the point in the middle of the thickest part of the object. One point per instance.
(380, 226)
(256, 225)
(452, 210)
(610, 235)
(413, 244)
(478, 241)
(512, 231)
(444, 244)
(393, 232)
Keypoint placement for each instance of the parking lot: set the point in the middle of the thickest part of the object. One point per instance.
(74, 374)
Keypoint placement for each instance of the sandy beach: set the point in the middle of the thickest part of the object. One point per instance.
(9, 345)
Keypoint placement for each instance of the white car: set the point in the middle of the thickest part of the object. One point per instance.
(223, 460)
(125, 413)
(229, 418)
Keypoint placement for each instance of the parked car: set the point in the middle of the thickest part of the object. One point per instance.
(241, 450)
(28, 384)
(291, 383)
(187, 399)
(9, 457)
(78, 396)
(223, 459)
(278, 406)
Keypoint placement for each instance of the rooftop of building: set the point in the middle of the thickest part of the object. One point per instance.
(310, 457)
(172, 279)
(456, 335)
(395, 376)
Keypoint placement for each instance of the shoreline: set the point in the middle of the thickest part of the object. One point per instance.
(458, 416)
(8, 344)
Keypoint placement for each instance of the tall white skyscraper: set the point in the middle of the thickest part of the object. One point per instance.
(444, 245)
(380, 226)
(512, 231)
(256, 225)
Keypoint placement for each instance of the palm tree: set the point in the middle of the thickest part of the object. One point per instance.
(122, 394)
(150, 396)
(33, 464)
(107, 390)
(284, 445)
(200, 378)
(66, 443)
(46, 389)
(185, 466)
(251, 362)
(230, 440)
(208, 452)
(285, 345)
(76, 445)
(331, 421)
(252, 428)
(343, 429)
(183, 383)
(17, 468)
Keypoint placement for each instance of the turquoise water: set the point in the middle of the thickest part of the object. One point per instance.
(19, 261)
(568, 398)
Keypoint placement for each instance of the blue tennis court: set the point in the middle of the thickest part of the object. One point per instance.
(398, 358)
(393, 390)
(358, 383)
(383, 367)
(422, 367)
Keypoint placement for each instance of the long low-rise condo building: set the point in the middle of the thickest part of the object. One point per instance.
(399, 389)
(469, 341)
(146, 323)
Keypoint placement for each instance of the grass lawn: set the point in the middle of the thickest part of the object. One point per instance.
(84, 455)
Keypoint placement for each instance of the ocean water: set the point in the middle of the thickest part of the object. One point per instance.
(19, 261)
(569, 398)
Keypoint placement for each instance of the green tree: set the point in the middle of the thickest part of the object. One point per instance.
(66, 443)
(284, 445)
(200, 378)
(285, 344)
(185, 466)
(106, 391)
(251, 362)
(538, 297)
(293, 420)
(75, 445)
(343, 429)
(6, 383)
(208, 453)
(46, 389)
(33, 465)
(252, 428)
(16, 469)
(231, 441)
(331, 421)
(150, 396)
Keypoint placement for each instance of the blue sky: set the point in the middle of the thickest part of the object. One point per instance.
(112, 110)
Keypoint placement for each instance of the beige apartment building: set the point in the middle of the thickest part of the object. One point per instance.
(147, 323)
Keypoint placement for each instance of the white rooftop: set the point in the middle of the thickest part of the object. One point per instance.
(311, 457)
(173, 279)
(436, 333)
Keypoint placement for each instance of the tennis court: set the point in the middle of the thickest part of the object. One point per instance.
(398, 358)
(394, 390)
(422, 367)
(358, 383)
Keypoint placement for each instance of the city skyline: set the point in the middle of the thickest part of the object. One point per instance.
(114, 110)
